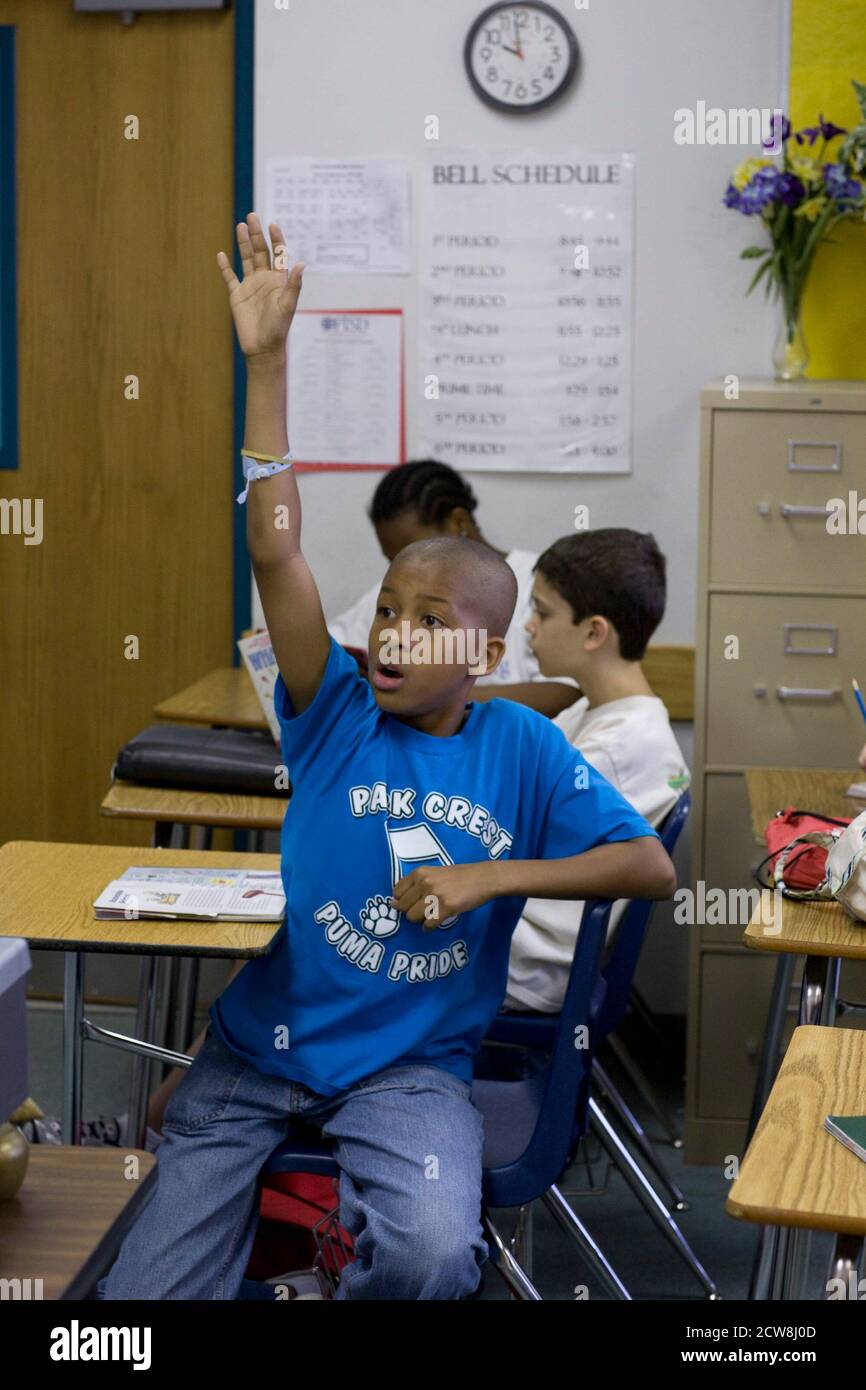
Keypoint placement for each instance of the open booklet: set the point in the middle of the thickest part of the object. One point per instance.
(219, 895)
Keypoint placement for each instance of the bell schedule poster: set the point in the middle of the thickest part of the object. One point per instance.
(525, 312)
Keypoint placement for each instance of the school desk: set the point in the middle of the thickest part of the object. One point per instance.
(823, 935)
(68, 1220)
(46, 896)
(771, 789)
(796, 1175)
(224, 698)
(168, 807)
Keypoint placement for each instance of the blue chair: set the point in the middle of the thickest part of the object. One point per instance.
(610, 1001)
(532, 1125)
(610, 1004)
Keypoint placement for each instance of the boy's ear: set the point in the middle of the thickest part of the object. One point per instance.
(598, 633)
(494, 651)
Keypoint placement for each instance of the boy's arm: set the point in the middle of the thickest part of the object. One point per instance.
(638, 868)
(263, 305)
(548, 697)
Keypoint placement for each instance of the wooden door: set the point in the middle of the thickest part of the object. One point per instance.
(116, 279)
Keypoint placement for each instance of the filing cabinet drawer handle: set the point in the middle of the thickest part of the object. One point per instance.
(832, 637)
(834, 467)
(788, 509)
(793, 692)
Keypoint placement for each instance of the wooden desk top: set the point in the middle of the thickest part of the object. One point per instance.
(226, 696)
(794, 1172)
(234, 811)
(771, 789)
(67, 1203)
(47, 892)
(223, 697)
(808, 929)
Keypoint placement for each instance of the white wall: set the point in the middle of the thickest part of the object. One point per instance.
(357, 77)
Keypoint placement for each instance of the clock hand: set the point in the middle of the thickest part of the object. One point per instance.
(515, 51)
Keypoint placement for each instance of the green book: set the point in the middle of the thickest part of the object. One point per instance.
(850, 1130)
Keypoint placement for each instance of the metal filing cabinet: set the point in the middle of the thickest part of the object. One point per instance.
(772, 575)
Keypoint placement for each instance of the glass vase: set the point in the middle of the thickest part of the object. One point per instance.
(790, 353)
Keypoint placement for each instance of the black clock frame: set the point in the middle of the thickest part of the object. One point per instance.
(570, 72)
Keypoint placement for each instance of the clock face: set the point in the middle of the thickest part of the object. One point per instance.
(520, 57)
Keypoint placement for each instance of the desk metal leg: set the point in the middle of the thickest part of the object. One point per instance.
(144, 1021)
(764, 1264)
(73, 1044)
(820, 990)
(187, 992)
(187, 974)
(771, 1046)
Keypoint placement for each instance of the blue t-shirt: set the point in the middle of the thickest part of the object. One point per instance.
(350, 986)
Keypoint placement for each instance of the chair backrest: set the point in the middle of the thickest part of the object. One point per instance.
(619, 969)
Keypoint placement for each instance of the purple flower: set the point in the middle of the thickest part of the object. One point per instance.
(789, 189)
(772, 142)
(732, 197)
(757, 193)
(838, 184)
(829, 130)
(824, 128)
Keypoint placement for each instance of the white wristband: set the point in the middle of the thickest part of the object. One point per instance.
(254, 469)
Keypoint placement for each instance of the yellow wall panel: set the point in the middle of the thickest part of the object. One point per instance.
(828, 49)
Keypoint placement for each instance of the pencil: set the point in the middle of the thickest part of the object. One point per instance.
(859, 698)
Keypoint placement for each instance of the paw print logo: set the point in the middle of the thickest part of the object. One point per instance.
(379, 917)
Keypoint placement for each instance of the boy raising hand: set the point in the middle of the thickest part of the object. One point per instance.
(419, 824)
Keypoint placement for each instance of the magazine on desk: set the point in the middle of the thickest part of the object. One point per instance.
(217, 895)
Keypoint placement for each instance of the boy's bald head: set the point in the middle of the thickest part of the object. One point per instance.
(470, 574)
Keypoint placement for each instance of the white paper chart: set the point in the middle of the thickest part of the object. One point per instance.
(342, 214)
(526, 311)
(345, 387)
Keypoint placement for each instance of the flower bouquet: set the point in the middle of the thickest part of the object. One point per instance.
(799, 196)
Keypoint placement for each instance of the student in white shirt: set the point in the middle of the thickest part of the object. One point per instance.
(598, 596)
(426, 498)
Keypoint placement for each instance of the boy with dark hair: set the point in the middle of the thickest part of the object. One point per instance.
(598, 598)
(419, 822)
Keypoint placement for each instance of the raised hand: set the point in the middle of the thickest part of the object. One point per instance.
(263, 303)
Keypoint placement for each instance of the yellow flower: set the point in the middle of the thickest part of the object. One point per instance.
(745, 171)
(806, 168)
(812, 209)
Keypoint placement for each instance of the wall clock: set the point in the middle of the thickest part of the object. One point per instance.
(521, 57)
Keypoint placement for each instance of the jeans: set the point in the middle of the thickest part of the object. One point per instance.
(408, 1142)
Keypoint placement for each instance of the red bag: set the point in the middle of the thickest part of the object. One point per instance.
(805, 866)
(292, 1204)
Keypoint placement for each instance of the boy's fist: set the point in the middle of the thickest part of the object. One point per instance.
(432, 894)
(263, 303)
